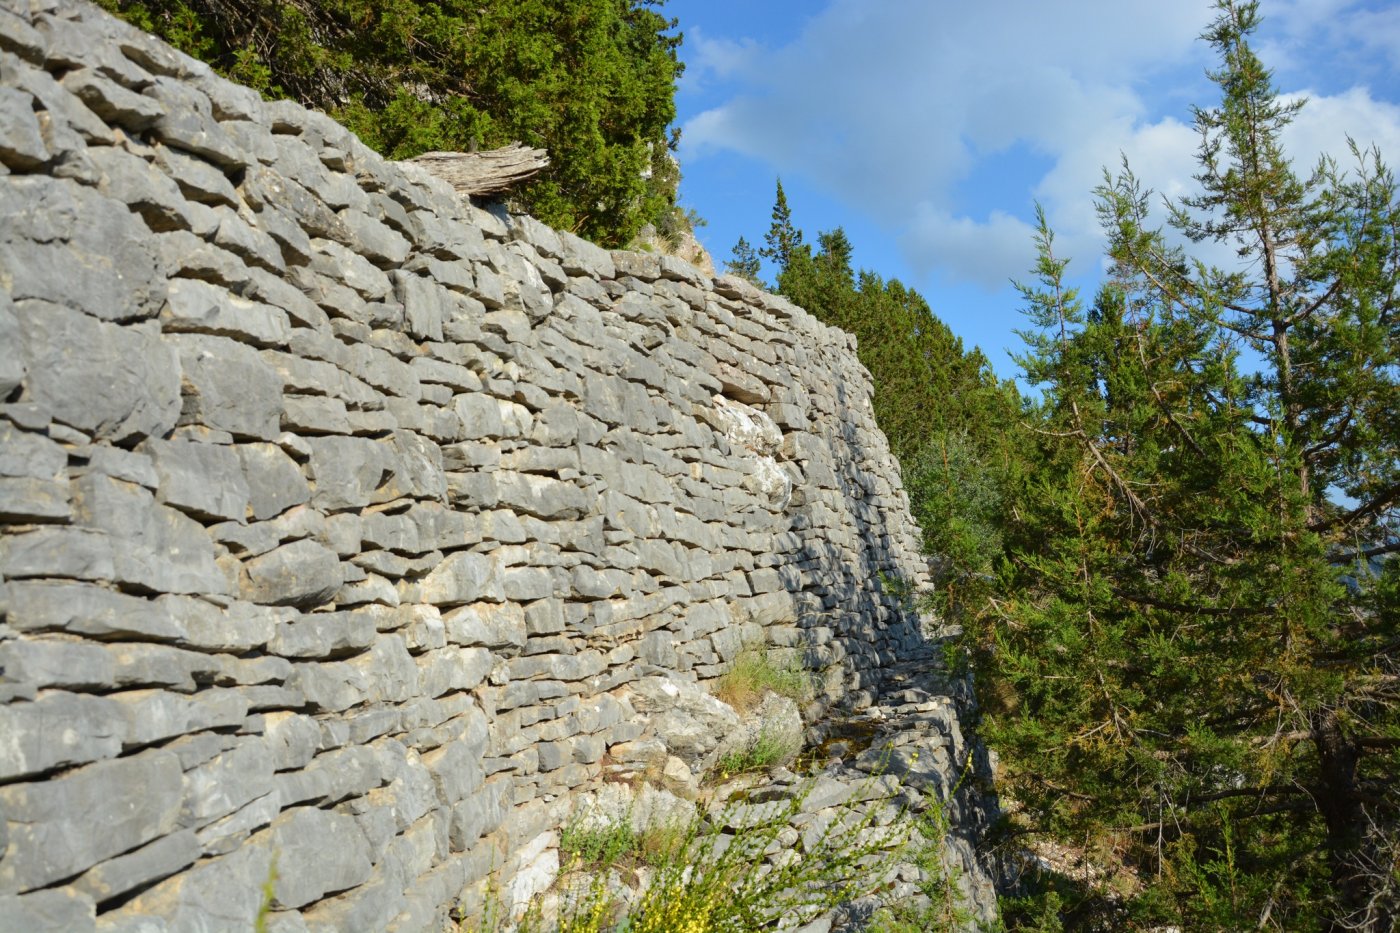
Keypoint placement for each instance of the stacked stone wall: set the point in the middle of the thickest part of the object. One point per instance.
(339, 517)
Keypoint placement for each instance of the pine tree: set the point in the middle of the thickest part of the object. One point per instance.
(782, 237)
(591, 81)
(745, 263)
(1201, 645)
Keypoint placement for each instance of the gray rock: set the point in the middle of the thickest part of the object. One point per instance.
(152, 546)
(198, 307)
(331, 777)
(81, 609)
(374, 240)
(579, 257)
(62, 909)
(303, 837)
(690, 721)
(228, 387)
(204, 480)
(275, 482)
(292, 739)
(422, 305)
(58, 729)
(26, 499)
(332, 686)
(197, 179)
(112, 102)
(69, 245)
(12, 365)
(154, 715)
(347, 470)
(490, 625)
(218, 894)
(542, 496)
(324, 635)
(238, 628)
(460, 578)
(65, 825)
(117, 383)
(137, 869)
(128, 178)
(453, 669)
(227, 782)
(21, 143)
(302, 573)
(186, 122)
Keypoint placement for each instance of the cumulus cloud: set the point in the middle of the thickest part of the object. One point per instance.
(889, 107)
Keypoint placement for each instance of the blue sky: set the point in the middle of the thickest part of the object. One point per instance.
(930, 128)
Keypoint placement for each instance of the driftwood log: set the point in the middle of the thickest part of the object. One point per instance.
(489, 172)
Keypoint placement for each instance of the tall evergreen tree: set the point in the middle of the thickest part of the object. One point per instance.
(744, 263)
(1202, 644)
(782, 237)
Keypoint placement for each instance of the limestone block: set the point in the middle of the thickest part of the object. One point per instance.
(331, 777)
(64, 825)
(217, 894)
(228, 386)
(323, 635)
(302, 837)
(69, 245)
(135, 540)
(452, 669)
(541, 496)
(461, 578)
(417, 468)
(275, 483)
(153, 715)
(347, 471)
(303, 573)
(490, 625)
(422, 303)
(579, 257)
(374, 240)
(199, 307)
(197, 179)
(61, 909)
(186, 122)
(314, 414)
(227, 782)
(204, 480)
(119, 383)
(58, 729)
(342, 265)
(153, 862)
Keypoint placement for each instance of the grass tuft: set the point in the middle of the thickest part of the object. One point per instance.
(755, 672)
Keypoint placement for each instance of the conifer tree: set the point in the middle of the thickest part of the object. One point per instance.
(591, 81)
(744, 263)
(782, 237)
(1202, 639)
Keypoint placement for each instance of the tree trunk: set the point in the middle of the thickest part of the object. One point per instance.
(1339, 800)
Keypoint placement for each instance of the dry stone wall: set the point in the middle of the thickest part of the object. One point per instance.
(341, 521)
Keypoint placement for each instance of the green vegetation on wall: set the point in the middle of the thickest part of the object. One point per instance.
(591, 81)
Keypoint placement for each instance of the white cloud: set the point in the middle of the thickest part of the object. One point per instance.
(889, 107)
(991, 251)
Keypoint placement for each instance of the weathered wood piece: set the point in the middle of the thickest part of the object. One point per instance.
(487, 172)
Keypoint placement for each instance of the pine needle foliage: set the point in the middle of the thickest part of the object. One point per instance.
(1199, 627)
(591, 81)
